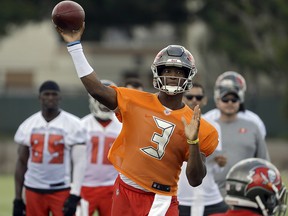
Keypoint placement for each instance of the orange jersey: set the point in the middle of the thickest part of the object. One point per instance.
(152, 144)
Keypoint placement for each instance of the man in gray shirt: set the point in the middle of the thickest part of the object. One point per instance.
(241, 138)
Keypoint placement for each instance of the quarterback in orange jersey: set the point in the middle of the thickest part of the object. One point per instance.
(159, 132)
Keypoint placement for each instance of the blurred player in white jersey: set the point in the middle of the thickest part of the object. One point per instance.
(102, 128)
(49, 142)
(206, 198)
(240, 83)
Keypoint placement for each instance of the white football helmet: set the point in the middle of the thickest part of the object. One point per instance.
(232, 80)
(99, 110)
(173, 56)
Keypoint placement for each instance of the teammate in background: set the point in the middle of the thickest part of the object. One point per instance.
(240, 84)
(206, 198)
(254, 188)
(134, 83)
(102, 128)
(240, 138)
(155, 138)
(49, 141)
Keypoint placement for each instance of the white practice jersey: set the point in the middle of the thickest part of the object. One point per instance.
(214, 114)
(49, 163)
(208, 192)
(99, 170)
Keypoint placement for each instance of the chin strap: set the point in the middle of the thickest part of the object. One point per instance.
(172, 90)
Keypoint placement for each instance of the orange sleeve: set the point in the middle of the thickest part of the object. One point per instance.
(208, 137)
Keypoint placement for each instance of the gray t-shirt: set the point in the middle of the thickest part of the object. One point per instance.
(241, 139)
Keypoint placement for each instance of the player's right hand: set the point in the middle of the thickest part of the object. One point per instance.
(192, 129)
(19, 208)
(71, 36)
(70, 205)
(221, 160)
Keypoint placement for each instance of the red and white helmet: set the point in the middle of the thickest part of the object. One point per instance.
(173, 56)
(99, 110)
(256, 183)
(231, 79)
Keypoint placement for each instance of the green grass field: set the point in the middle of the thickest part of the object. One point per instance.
(7, 193)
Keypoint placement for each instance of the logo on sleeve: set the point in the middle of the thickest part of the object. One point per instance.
(243, 130)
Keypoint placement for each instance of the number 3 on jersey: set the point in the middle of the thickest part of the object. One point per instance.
(161, 140)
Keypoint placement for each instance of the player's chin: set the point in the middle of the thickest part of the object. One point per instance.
(52, 109)
(52, 105)
(230, 112)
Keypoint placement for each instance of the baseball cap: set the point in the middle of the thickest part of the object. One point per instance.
(225, 87)
(226, 90)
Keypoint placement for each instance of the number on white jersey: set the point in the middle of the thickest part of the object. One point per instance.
(95, 147)
(55, 148)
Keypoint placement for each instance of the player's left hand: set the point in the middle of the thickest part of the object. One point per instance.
(70, 205)
(191, 129)
(19, 208)
(71, 36)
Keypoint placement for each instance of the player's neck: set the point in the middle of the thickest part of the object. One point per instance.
(49, 115)
(105, 122)
(228, 117)
(173, 102)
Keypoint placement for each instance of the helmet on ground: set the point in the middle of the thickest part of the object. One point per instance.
(230, 79)
(99, 110)
(173, 56)
(256, 184)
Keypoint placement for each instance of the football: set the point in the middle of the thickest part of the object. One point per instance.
(68, 16)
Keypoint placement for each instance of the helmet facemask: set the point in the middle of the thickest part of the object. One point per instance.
(281, 208)
(99, 110)
(173, 56)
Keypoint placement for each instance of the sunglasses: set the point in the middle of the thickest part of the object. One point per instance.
(226, 100)
(198, 97)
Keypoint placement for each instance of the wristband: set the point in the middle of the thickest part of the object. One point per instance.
(81, 64)
(193, 142)
(73, 43)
